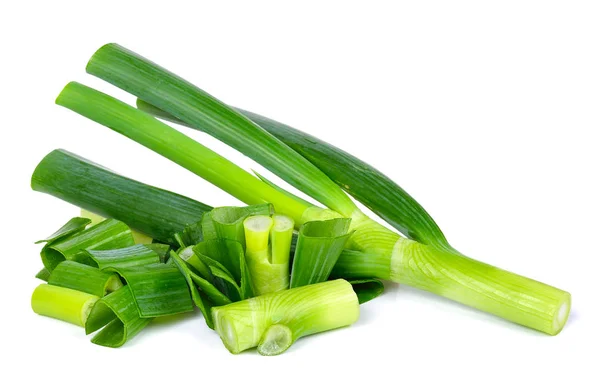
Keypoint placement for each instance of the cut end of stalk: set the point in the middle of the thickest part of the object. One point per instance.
(113, 284)
(276, 340)
(86, 309)
(282, 223)
(561, 316)
(226, 330)
(258, 223)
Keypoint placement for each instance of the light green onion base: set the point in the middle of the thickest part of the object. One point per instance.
(63, 303)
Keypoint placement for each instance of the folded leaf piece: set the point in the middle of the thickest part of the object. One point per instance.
(131, 256)
(81, 277)
(118, 316)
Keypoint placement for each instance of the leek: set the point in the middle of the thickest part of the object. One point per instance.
(74, 225)
(367, 289)
(457, 277)
(269, 266)
(132, 256)
(319, 246)
(62, 303)
(118, 318)
(43, 274)
(84, 278)
(107, 234)
(153, 211)
(138, 237)
(272, 322)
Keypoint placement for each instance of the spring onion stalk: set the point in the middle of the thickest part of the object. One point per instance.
(94, 218)
(74, 225)
(268, 241)
(165, 90)
(319, 246)
(105, 235)
(272, 322)
(62, 303)
(510, 296)
(117, 317)
(153, 211)
(81, 277)
(176, 146)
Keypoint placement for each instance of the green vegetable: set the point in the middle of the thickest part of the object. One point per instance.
(228, 222)
(62, 303)
(132, 256)
(319, 246)
(433, 267)
(117, 314)
(44, 275)
(367, 289)
(153, 211)
(74, 225)
(268, 241)
(272, 322)
(138, 237)
(107, 234)
(84, 278)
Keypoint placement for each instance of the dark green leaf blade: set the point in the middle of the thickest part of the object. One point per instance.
(367, 289)
(74, 225)
(81, 277)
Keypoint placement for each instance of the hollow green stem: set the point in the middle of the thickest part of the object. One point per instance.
(62, 303)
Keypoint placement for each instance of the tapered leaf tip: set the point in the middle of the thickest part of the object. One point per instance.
(99, 52)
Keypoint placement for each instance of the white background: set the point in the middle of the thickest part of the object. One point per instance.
(486, 112)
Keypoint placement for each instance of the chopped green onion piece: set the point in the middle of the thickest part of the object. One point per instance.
(84, 278)
(367, 289)
(105, 235)
(158, 289)
(226, 262)
(319, 246)
(132, 256)
(269, 265)
(228, 222)
(190, 235)
(304, 311)
(62, 303)
(146, 80)
(74, 225)
(181, 149)
(153, 211)
(44, 275)
(118, 314)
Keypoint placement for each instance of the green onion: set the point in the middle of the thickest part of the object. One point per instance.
(179, 148)
(272, 322)
(132, 256)
(319, 246)
(84, 278)
(228, 222)
(138, 237)
(107, 234)
(62, 303)
(269, 264)
(117, 314)
(74, 225)
(153, 211)
(162, 250)
(165, 90)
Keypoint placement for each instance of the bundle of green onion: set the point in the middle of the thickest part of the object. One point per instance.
(262, 275)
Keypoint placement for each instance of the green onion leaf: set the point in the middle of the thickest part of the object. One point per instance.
(157, 289)
(304, 311)
(74, 225)
(148, 81)
(105, 235)
(319, 246)
(153, 211)
(228, 222)
(162, 250)
(84, 278)
(44, 275)
(118, 314)
(132, 256)
(62, 303)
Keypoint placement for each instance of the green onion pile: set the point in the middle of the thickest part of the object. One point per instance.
(263, 275)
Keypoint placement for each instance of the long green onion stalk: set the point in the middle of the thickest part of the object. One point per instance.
(427, 265)
(63, 303)
(272, 322)
(153, 211)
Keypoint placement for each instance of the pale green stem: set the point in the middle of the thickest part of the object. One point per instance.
(62, 303)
